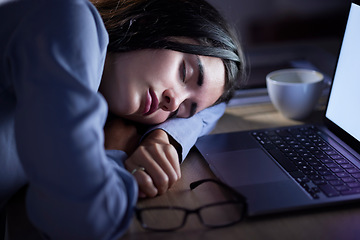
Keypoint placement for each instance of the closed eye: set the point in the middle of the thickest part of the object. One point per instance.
(173, 114)
(183, 71)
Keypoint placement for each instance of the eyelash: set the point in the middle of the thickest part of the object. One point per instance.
(183, 71)
(174, 114)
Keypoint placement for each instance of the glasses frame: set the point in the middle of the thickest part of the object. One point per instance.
(239, 199)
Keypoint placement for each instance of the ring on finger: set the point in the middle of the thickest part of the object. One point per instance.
(137, 169)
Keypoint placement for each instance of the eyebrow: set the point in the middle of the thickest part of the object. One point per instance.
(200, 82)
(201, 71)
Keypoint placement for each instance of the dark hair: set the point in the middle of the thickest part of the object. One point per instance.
(144, 24)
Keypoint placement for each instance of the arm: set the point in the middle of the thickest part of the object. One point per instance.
(164, 145)
(192, 128)
(158, 151)
(76, 190)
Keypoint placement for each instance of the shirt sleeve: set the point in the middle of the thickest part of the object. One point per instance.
(186, 131)
(77, 190)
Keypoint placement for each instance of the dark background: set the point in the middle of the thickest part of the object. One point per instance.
(273, 33)
(262, 22)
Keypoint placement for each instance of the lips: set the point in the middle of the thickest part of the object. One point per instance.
(151, 103)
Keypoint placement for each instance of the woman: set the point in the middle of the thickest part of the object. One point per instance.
(200, 31)
(56, 55)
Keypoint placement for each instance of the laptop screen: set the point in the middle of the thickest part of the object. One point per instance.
(344, 102)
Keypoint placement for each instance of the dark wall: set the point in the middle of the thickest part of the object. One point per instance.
(268, 21)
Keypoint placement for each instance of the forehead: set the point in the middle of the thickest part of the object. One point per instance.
(214, 71)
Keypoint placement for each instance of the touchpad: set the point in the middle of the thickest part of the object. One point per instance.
(245, 167)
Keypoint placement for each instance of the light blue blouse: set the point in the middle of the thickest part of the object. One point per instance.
(51, 121)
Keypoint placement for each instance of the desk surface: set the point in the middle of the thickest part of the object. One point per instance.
(334, 223)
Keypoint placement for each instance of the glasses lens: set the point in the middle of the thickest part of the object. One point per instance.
(162, 219)
(220, 215)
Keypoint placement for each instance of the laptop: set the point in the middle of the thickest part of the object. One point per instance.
(299, 167)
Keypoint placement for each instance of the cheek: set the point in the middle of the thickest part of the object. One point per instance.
(208, 98)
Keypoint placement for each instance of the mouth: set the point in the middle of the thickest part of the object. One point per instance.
(151, 103)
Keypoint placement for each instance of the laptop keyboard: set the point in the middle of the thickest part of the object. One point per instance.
(315, 165)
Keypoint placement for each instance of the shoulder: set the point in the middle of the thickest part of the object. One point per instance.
(63, 20)
(50, 11)
(72, 10)
(68, 33)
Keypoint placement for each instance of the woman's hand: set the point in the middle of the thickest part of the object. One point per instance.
(154, 164)
(155, 154)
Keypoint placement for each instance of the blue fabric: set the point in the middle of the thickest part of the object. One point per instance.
(52, 117)
(52, 54)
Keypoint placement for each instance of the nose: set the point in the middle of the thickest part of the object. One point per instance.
(171, 100)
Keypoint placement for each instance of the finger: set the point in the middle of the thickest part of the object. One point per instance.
(157, 166)
(160, 178)
(146, 185)
(173, 157)
(168, 165)
(167, 159)
(144, 181)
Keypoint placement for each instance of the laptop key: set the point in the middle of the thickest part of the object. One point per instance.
(336, 182)
(356, 175)
(353, 184)
(348, 179)
(342, 161)
(336, 156)
(268, 146)
(352, 170)
(351, 191)
(326, 160)
(336, 170)
(283, 161)
(325, 172)
(326, 148)
(331, 165)
(342, 174)
(319, 182)
(341, 188)
(297, 174)
(329, 190)
(347, 166)
(330, 177)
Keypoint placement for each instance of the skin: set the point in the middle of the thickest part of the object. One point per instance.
(149, 86)
(146, 86)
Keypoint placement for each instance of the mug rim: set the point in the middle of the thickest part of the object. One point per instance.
(291, 70)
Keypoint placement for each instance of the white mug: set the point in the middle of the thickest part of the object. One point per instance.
(295, 92)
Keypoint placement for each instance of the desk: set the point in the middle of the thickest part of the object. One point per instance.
(336, 223)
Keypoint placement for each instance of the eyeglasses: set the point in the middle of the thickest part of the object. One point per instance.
(215, 215)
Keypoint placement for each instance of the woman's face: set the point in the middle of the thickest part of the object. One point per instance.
(149, 86)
